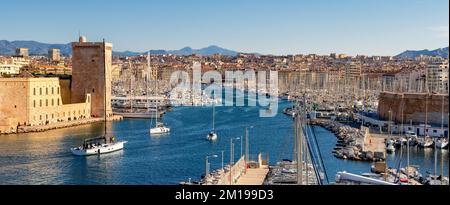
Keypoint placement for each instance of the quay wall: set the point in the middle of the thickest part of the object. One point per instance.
(414, 107)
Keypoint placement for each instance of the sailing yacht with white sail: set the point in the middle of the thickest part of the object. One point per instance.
(212, 136)
(159, 128)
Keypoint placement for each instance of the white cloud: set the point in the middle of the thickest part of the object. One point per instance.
(440, 31)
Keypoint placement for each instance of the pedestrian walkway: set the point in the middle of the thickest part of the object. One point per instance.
(253, 176)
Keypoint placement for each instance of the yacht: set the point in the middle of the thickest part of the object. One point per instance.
(390, 148)
(159, 128)
(426, 142)
(99, 145)
(212, 136)
(441, 143)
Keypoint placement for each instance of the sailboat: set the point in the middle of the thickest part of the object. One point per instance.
(212, 136)
(102, 144)
(159, 128)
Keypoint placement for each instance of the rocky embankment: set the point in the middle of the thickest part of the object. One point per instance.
(350, 143)
(58, 125)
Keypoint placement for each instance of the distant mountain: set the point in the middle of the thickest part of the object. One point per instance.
(37, 48)
(211, 50)
(443, 52)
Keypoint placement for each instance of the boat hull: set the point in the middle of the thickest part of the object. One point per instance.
(211, 137)
(102, 149)
(143, 115)
(159, 130)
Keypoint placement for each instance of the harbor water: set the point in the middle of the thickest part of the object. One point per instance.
(45, 158)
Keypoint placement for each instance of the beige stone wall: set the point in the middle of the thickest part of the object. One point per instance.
(36, 101)
(414, 106)
(64, 84)
(13, 103)
(88, 75)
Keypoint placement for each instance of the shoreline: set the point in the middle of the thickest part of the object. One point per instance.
(351, 142)
(60, 125)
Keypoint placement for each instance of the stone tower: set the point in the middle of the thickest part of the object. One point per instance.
(91, 66)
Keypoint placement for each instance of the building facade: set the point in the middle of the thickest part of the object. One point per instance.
(91, 74)
(37, 101)
(417, 108)
(437, 76)
(9, 69)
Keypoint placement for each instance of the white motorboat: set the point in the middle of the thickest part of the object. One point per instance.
(211, 136)
(441, 143)
(426, 142)
(95, 147)
(142, 115)
(390, 148)
(159, 129)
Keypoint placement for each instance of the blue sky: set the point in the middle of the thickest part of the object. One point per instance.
(371, 27)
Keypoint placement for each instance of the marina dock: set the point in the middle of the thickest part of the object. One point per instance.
(255, 176)
(241, 173)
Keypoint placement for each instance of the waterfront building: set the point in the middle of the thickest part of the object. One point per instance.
(437, 76)
(37, 101)
(417, 108)
(91, 73)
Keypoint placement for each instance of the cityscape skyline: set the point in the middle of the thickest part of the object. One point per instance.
(365, 27)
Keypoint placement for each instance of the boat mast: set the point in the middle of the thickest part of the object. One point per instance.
(151, 74)
(443, 135)
(214, 111)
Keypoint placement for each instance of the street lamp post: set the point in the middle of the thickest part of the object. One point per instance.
(241, 146)
(390, 121)
(232, 158)
(246, 143)
(222, 160)
(207, 165)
